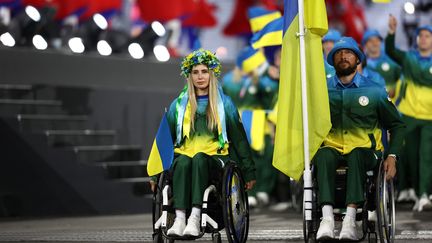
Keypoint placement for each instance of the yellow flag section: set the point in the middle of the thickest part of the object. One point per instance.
(288, 154)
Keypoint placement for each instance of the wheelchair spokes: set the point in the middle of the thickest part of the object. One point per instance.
(236, 207)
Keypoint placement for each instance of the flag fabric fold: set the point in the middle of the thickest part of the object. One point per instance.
(162, 152)
(288, 153)
(254, 122)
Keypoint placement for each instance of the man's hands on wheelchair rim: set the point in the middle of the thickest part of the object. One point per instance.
(250, 184)
(390, 167)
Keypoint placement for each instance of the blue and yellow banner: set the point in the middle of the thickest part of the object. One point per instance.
(381, 1)
(254, 122)
(270, 35)
(288, 154)
(162, 152)
(260, 17)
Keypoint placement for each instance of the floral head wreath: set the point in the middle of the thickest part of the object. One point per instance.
(200, 56)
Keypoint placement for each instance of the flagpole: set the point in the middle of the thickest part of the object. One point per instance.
(307, 175)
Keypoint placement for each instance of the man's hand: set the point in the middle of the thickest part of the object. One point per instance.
(250, 184)
(392, 24)
(390, 167)
(153, 186)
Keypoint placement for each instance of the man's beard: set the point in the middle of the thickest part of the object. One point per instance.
(341, 72)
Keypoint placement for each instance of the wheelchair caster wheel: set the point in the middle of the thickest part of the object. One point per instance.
(216, 238)
(372, 237)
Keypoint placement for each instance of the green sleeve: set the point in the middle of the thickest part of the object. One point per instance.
(391, 121)
(394, 53)
(238, 141)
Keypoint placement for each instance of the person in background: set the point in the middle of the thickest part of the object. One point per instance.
(328, 42)
(416, 108)
(379, 62)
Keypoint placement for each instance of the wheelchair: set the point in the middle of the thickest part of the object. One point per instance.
(379, 197)
(225, 205)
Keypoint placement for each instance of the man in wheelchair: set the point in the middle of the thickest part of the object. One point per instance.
(359, 111)
(206, 129)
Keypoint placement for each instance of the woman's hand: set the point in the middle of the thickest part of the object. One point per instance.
(392, 24)
(153, 186)
(250, 184)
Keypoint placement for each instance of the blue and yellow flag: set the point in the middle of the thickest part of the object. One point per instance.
(270, 35)
(260, 17)
(381, 1)
(162, 152)
(254, 122)
(288, 154)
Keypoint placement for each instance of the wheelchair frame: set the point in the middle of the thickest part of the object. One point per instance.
(232, 199)
(383, 202)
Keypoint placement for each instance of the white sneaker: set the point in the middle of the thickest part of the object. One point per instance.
(177, 228)
(349, 229)
(193, 226)
(252, 201)
(412, 196)
(403, 196)
(326, 229)
(263, 198)
(424, 203)
(372, 216)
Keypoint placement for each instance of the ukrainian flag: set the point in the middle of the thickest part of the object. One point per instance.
(162, 152)
(260, 17)
(270, 35)
(254, 125)
(381, 1)
(288, 154)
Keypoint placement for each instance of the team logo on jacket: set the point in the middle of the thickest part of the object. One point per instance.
(363, 100)
(385, 66)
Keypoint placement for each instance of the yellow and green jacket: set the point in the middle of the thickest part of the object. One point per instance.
(359, 112)
(416, 91)
(201, 139)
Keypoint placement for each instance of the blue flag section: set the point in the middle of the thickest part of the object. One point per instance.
(162, 152)
(254, 122)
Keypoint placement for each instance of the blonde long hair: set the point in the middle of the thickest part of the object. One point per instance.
(212, 112)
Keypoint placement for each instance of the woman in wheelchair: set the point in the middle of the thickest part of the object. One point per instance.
(206, 129)
(359, 110)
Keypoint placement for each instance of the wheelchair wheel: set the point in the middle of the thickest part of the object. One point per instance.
(235, 204)
(157, 211)
(385, 207)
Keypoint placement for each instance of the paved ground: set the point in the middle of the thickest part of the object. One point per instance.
(265, 226)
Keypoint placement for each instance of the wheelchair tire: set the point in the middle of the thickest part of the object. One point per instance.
(235, 204)
(385, 207)
(157, 210)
